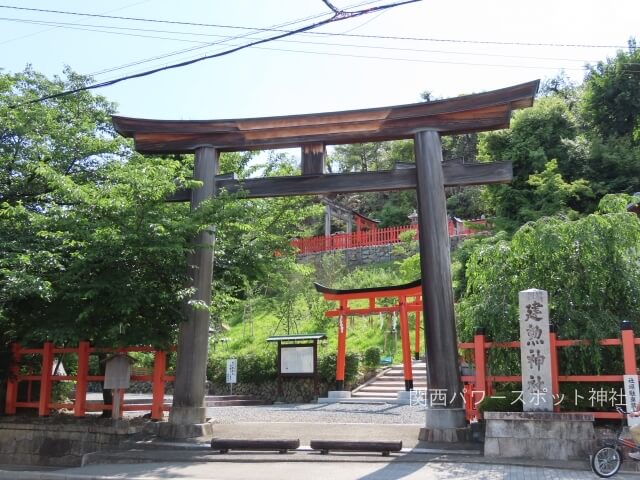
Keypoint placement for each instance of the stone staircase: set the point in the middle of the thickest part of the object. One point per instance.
(385, 386)
(232, 401)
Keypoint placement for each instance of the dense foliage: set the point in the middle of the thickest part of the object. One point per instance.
(589, 266)
(90, 248)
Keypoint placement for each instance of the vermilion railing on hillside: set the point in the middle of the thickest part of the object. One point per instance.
(45, 377)
(481, 384)
(367, 238)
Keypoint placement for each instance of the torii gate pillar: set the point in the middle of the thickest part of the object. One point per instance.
(445, 419)
(188, 413)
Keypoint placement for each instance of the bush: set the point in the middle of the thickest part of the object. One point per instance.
(506, 401)
(327, 367)
(372, 356)
(253, 368)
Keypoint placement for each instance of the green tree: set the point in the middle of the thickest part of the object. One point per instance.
(589, 266)
(91, 249)
(611, 100)
(537, 135)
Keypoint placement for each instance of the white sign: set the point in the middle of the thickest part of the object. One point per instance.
(632, 394)
(232, 370)
(535, 352)
(296, 359)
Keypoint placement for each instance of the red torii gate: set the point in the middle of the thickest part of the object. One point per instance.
(403, 293)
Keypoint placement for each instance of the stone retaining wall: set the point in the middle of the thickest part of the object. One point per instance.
(57, 441)
(369, 255)
(537, 435)
(292, 390)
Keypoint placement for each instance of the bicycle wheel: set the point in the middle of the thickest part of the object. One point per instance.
(606, 461)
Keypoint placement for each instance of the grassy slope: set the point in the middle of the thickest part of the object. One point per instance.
(362, 331)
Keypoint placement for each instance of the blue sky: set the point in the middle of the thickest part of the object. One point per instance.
(310, 73)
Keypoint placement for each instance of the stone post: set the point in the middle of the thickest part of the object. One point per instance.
(535, 351)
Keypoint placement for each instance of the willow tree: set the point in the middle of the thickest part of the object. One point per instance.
(589, 266)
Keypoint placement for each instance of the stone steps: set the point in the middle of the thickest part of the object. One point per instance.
(385, 387)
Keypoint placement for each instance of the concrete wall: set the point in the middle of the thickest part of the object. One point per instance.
(57, 441)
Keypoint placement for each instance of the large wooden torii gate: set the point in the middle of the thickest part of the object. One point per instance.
(424, 122)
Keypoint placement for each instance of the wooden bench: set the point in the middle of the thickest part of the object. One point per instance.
(281, 446)
(356, 446)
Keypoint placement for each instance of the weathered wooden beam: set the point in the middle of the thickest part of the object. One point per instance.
(468, 113)
(312, 158)
(193, 337)
(454, 173)
(437, 291)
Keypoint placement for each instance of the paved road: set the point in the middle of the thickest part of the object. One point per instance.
(334, 470)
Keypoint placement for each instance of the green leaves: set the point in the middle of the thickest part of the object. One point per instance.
(589, 267)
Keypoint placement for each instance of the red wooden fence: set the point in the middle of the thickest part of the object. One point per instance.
(79, 405)
(481, 384)
(366, 238)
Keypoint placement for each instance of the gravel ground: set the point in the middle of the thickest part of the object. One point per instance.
(318, 413)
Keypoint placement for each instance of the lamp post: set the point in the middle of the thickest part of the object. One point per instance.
(413, 217)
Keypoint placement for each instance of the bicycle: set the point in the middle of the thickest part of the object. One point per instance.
(607, 459)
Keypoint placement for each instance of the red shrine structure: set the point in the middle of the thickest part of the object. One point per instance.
(408, 298)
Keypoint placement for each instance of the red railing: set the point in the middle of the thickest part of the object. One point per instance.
(367, 238)
(481, 384)
(79, 404)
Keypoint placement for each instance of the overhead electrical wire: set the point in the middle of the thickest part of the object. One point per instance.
(338, 16)
(276, 29)
(98, 29)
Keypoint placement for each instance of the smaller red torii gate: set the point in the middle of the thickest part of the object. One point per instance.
(409, 299)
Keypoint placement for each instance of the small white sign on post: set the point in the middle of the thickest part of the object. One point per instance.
(632, 395)
(535, 351)
(232, 372)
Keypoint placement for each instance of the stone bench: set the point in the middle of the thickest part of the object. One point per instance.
(281, 446)
(356, 446)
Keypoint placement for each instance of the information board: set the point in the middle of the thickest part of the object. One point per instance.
(232, 370)
(296, 360)
(632, 395)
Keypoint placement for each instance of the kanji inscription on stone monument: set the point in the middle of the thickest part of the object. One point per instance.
(535, 353)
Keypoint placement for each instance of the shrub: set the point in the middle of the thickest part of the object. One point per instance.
(327, 367)
(253, 368)
(372, 356)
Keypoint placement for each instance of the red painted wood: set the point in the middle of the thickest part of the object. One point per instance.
(629, 352)
(12, 381)
(81, 382)
(417, 328)
(45, 379)
(368, 238)
(555, 383)
(342, 345)
(406, 342)
(480, 384)
(159, 367)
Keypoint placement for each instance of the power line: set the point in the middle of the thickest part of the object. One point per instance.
(77, 26)
(342, 15)
(382, 37)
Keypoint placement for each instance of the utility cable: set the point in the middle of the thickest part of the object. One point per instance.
(98, 29)
(381, 37)
(342, 15)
